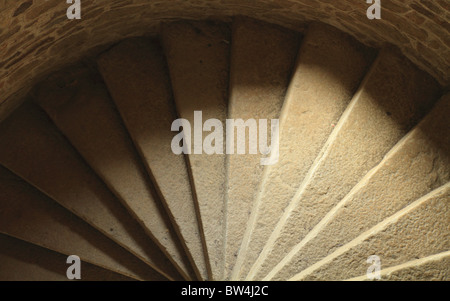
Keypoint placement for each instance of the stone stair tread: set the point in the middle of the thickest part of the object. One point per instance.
(416, 165)
(417, 231)
(384, 109)
(34, 150)
(262, 56)
(78, 103)
(22, 261)
(29, 215)
(198, 58)
(431, 268)
(148, 112)
(323, 83)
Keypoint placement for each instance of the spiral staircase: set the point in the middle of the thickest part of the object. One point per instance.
(86, 166)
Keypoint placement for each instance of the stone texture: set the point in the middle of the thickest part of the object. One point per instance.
(431, 268)
(21, 261)
(198, 58)
(418, 164)
(394, 97)
(38, 39)
(148, 112)
(262, 58)
(30, 216)
(418, 231)
(322, 85)
(34, 150)
(79, 104)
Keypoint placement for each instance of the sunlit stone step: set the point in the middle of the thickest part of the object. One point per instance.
(322, 85)
(148, 111)
(381, 113)
(198, 58)
(416, 165)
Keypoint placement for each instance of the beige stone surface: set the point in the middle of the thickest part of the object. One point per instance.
(78, 103)
(198, 58)
(262, 58)
(34, 150)
(21, 261)
(415, 166)
(322, 85)
(419, 230)
(393, 98)
(431, 268)
(30, 216)
(38, 38)
(136, 74)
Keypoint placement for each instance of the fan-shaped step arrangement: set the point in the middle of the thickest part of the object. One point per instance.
(148, 112)
(29, 215)
(362, 166)
(381, 112)
(322, 85)
(262, 58)
(418, 164)
(33, 149)
(79, 105)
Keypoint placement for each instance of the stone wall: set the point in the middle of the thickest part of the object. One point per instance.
(37, 38)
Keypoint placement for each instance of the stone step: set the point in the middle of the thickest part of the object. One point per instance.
(416, 165)
(29, 215)
(432, 268)
(262, 58)
(33, 149)
(322, 85)
(22, 261)
(384, 110)
(78, 103)
(148, 111)
(417, 231)
(198, 58)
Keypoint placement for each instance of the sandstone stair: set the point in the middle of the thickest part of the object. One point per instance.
(87, 167)
(148, 111)
(382, 111)
(198, 58)
(322, 85)
(29, 215)
(79, 105)
(262, 57)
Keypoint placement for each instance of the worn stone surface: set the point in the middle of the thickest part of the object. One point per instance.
(28, 215)
(322, 85)
(34, 150)
(79, 104)
(23, 261)
(431, 268)
(418, 164)
(262, 59)
(198, 58)
(37, 39)
(393, 98)
(137, 78)
(420, 230)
